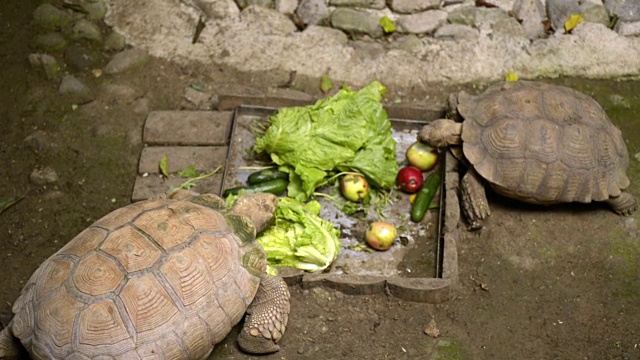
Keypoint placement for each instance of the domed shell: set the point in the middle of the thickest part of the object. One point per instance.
(543, 143)
(167, 277)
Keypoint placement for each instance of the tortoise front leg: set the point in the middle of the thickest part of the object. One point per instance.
(9, 345)
(267, 317)
(474, 199)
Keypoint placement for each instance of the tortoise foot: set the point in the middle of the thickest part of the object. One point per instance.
(624, 205)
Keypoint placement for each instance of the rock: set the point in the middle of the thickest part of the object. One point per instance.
(243, 4)
(47, 63)
(625, 10)
(114, 42)
(456, 32)
(368, 4)
(594, 11)
(50, 17)
(412, 6)
(409, 43)
(628, 28)
(119, 93)
(286, 6)
(532, 15)
(198, 100)
(559, 11)
(478, 17)
(505, 5)
(367, 49)
(39, 141)
(50, 41)
(220, 9)
(267, 21)
(85, 29)
(356, 21)
(80, 57)
(425, 22)
(126, 60)
(43, 176)
(313, 12)
(509, 27)
(315, 34)
(76, 91)
(95, 10)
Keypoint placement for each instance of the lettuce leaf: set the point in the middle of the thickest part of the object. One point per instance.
(349, 131)
(299, 238)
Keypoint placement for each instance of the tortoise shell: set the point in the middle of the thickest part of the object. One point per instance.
(159, 279)
(543, 143)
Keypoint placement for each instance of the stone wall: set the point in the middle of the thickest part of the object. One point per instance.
(452, 19)
(434, 41)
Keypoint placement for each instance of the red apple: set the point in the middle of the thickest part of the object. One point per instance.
(381, 235)
(354, 187)
(422, 156)
(409, 179)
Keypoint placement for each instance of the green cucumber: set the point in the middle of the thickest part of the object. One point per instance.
(266, 175)
(425, 195)
(276, 187)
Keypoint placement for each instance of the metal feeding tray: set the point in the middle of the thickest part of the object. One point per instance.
(420, 266)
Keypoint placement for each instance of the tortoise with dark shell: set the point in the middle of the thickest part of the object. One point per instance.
(535, 142)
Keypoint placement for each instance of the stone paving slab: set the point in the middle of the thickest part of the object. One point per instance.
(203, 158)
(187, 128)
(198, 138)
(150, 186)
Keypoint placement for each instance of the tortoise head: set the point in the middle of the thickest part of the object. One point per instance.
(258, 208)
(441, 133)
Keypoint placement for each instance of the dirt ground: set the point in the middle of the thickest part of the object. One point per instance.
(538, 283)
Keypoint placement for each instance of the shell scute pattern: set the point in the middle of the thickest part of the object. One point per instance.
(560, 141)
(101, 329)
(153, 279)
(97, 274)
(165, 228)
(188, 277)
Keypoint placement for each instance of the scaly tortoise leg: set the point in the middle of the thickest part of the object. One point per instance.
(624, 204)
(10, 347)
(267, 317)
(474, 200)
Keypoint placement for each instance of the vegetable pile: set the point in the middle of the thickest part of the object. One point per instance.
(349, 131)
(299, 238)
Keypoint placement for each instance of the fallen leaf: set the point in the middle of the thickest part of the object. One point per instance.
(572, 22)
(326, 84)
(188, 172)
(7, 203)
(164, 166)
(511, 76)
(198, 86)
(387, 25)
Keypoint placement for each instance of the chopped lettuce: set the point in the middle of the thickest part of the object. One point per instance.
(299, 238)
(349, 131)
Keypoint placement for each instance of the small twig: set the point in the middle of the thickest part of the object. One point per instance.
(256, 168)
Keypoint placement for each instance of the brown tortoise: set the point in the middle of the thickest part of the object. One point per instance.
(159, 279)
(538, 143)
